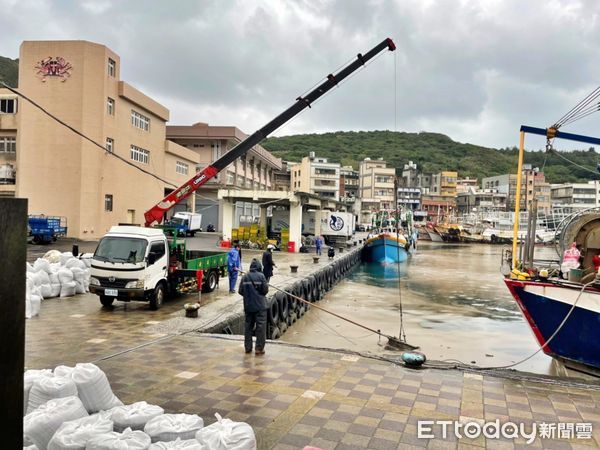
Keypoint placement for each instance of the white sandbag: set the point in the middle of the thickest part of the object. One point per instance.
(178, 444)
(46, 290)
(64, 257)
(86, 258)
(34, 303)
(94, 388)
(54, 290)
(30, 447)
(52, 256)
(40, 425)
(76, 433)
(225, 434)
(41, 264)
(28, 379)
(65, 275)
(127, 440)
(48, 388)
(43, 276)
(68, 289)
(134, 416)
(75, 263)
(29, 267)
(28, 308)
(63, 371)
(78, 277)
(169, 427)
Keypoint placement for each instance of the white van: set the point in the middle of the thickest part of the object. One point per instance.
(131, 263)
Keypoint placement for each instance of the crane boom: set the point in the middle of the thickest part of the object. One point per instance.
(155, 214)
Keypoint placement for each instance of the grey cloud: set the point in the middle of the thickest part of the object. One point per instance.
(474, 70)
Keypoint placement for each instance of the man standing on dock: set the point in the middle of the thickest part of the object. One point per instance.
(233, 267)
(253, 288)
(318, 245)
(267, 262)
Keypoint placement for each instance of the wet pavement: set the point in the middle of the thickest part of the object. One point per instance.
(293, 396)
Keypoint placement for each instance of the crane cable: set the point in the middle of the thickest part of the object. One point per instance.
(584, 108)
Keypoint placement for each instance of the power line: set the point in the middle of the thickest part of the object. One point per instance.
(79, 133)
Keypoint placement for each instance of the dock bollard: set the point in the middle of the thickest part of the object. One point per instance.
(294, 269)
(341, 249)
(315, 259)
(355, 243)
(75, 250)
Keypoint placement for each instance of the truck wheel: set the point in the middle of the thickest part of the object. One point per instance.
(106, 301)
(211, 282)
(192, 233)
(158, 297)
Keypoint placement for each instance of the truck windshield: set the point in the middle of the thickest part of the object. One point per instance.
(121, 249)
(177, 221)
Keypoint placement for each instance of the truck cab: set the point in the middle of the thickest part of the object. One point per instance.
(131, 263)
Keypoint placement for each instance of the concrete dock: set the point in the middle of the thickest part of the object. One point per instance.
(296, 396)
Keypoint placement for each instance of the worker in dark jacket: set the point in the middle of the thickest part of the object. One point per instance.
(253, 288)
(267, 262)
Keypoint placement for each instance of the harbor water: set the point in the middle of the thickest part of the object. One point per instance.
(454, 303)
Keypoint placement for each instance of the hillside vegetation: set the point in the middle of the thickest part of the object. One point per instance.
(432, 152)
(9, 71)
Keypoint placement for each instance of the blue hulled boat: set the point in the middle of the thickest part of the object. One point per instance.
(545, 306)
(385, 248)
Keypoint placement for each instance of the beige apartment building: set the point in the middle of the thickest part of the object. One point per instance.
(254, 171)
(376, 187)
(8, 142)
(62, 174)
(316, 176)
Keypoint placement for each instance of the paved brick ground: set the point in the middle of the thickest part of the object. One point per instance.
(293, 396)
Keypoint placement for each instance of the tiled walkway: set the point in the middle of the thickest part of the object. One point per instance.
(294, 396)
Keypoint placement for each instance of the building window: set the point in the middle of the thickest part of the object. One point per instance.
(140, 121)
(140, 155)
(8, 145)
(181, 168)
(230, 178)
(112, 67)
(110, 145)
(8, 105)
(110, 106)
(108, 202)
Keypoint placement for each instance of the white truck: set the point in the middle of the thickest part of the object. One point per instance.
(337, 224)
(135, 263)
(186, 223)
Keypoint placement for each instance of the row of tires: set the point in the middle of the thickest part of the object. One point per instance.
(284, 309)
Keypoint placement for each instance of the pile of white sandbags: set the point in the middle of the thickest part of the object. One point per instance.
(75, 408)
(56, 274)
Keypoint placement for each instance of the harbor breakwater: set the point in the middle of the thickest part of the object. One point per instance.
(283, 309)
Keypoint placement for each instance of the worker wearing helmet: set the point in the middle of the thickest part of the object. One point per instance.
(267, 262)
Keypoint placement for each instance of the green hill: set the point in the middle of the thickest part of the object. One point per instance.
(432, 152)
(9, 71)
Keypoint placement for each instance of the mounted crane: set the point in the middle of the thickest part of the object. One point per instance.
(155, 215)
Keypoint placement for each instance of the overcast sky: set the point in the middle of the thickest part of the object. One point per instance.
(474, 70)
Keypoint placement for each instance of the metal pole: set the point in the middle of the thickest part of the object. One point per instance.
(13, 245)
(517, 198)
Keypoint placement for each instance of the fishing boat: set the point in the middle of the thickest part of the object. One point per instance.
(386, 248)
(389, 244)
(560, 303)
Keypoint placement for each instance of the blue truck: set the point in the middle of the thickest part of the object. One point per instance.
(45, 229)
